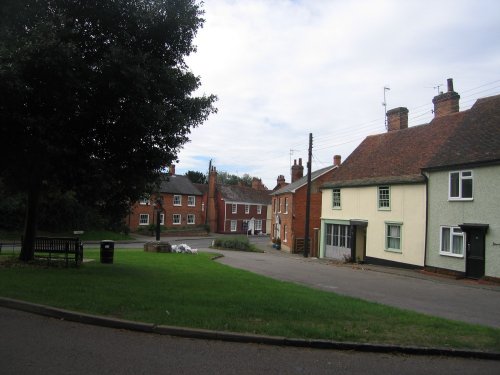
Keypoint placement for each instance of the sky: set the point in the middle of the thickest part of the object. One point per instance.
(284, 69)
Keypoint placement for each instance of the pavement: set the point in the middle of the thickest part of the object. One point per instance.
(287, 267)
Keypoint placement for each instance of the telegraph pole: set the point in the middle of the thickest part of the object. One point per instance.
(308, 199)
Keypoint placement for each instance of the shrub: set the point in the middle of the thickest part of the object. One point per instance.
(233, 242)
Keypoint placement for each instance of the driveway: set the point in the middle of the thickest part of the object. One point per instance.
(462, 300)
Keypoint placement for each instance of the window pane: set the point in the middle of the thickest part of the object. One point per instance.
(454, 184)
(467, 188)
(394, 237)
(458, 244)
(342, 235)
(393, 243)
(329, 234)
(383, 197)
(445, 240)
(394, 230)
(336, 234)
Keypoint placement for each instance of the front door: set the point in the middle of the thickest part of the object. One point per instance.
(474, 267)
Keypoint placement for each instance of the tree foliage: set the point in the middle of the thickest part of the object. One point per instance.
(197, 177)
(95, 97)
(232, 179)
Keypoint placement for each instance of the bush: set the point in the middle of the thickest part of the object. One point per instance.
(233, 242)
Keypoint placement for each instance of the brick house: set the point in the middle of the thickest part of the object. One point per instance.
(289, 206)
(182, 204)
(235, 209)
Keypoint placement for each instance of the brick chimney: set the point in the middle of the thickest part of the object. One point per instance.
(257, 184)
(297, 170)
(280, 182)
(397, 119)
(337, 159)
(447, 103)
(211, 204)
(171, 169)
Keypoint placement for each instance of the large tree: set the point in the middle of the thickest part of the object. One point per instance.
(95, 97)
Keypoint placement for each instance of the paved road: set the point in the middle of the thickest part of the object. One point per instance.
(32, 344)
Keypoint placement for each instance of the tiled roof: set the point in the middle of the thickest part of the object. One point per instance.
(244, 194)
(475, 140)
(290, 188)
(396, 157)
(175, 184)
(203, 188)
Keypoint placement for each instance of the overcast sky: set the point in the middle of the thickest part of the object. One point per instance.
(283, 69)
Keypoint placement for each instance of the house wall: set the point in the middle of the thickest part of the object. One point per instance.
(295, 219)
(226, 216)
(169, 210)
(483, 209)
(407, 207)
(286, 219)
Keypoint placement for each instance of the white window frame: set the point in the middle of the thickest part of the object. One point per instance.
(162, 219)
(453, 232)
(234, 208)
(387, 237)
(286, 205)
(144, 201)
(259, 209)
(177, 200)
(191, 218)
(336, 199)
(258, 224)
(174, 219)
(285, 233)
(234, 225)
(141, 216)
(191, 201)
(381, 199)
(463, 176)
(338, 235)
(247, 208)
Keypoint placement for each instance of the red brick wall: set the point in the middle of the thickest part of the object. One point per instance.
(169, 210)
(225, 216)
(295, 220)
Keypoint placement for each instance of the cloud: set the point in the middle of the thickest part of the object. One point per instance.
(284, 69)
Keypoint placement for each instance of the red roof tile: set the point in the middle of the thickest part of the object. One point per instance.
(397, 156)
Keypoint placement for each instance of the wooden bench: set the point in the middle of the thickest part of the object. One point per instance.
(55, 247)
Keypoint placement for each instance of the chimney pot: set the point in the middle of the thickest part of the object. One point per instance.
(337, 160)
(450, 84)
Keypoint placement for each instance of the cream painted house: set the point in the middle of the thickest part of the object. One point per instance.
(377, 222)
(375, 208)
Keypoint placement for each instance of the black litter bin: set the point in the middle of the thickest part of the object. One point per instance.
(107, 251)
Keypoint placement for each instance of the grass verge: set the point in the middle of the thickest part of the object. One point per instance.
(193, 291)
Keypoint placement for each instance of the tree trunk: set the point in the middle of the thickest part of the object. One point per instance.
(28, 245)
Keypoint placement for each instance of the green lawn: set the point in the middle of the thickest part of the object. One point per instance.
(194, 291)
